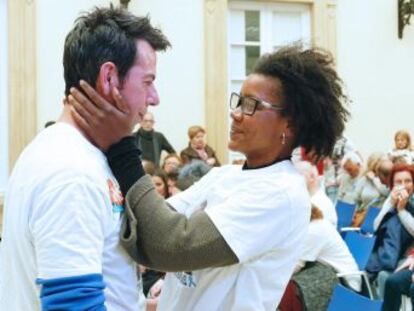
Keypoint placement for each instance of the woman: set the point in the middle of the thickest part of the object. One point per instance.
(172, 163)
(371, 188)
(402, 147)
(159, 178)
(394, 225)
(198, 149)
(239, 226)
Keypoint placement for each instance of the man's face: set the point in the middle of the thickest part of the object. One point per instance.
(138, 89)
(259, 134)
(147, 122)
(352, 169)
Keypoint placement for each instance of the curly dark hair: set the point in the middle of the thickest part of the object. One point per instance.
(102, 35)
(312, 94)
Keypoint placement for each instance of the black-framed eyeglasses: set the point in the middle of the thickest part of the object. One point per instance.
(248, 104)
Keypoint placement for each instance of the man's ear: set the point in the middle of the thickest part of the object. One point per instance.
(107, 78)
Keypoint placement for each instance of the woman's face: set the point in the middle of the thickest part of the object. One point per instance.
(259, 136)
(171, 164)
(405, 179)
(159, 185)
(198, 140)
(401, 142)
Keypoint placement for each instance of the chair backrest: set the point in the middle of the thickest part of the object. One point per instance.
(360, 247)
(344, 299)
(345, 212)
(368, 224)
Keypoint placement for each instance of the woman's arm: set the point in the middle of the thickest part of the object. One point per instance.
(162, 239)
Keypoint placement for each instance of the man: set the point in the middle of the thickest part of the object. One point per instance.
(150, 142)
(352, 166)
(234, 237)
(318, 195)
(64, 208)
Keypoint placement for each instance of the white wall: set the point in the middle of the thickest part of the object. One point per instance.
(378, 69)
(3, 97)
(54, 20)
(180, 79)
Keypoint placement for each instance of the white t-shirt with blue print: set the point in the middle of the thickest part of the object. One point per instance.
(62, 217)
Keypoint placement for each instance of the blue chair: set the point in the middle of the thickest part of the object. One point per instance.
(368, 224)
(345, 212)
(361, 247)
(344, 299)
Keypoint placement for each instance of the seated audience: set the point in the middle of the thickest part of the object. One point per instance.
(332, 166)
(372, 189)
(198, 149)
(402, 147)
(351, 164)
(399, 283)
(394, 226)
(172, 163)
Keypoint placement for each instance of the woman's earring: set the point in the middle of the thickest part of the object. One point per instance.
(283, 138)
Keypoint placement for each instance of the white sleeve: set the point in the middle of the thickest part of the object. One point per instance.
(386, 207)
(254, 221)
(193, 198)
(313, 241)
(68, 229)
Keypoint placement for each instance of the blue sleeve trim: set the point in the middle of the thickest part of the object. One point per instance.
(84, 292)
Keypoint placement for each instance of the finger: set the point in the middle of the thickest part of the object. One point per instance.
(79, 108)
(119, 100)
(94, 96)
(80, 98)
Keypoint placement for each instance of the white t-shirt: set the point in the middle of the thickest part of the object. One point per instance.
(62, 218)
(324, 244)
(263, 216)
(321, 200)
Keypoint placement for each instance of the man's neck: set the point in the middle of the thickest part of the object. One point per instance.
(66, 117)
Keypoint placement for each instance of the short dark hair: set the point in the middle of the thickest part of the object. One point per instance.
(102, 35)
(311, 93)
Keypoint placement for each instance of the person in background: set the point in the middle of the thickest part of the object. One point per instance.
(172, 163)
(159, 178)
(332, 166)
(197, 148)
(324, 254)
(234, 237)
(316, 191)
(150, 142)
(401, 282)
(402, 147)
(64, 209)
(49, 123)
(394, 226)
(352, 166)
(372, 188)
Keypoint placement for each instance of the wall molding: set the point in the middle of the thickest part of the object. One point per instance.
(22, 76)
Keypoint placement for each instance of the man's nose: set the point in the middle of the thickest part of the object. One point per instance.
(153, 99)
(236, 114)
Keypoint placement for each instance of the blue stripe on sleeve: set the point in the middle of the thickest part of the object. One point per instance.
(83, 292)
